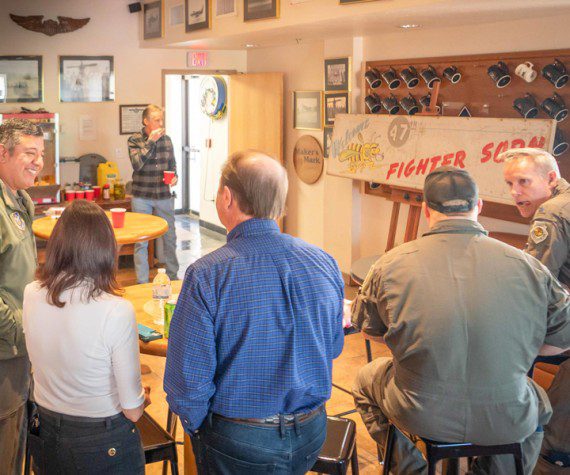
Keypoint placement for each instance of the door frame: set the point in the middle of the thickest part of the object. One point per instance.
(184, 159)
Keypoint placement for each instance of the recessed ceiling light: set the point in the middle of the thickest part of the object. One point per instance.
(409, 26)
(250, 45)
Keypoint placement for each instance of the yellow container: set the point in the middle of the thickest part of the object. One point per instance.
(107, 172)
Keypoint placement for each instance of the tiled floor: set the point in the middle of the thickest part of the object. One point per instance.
(194, 242)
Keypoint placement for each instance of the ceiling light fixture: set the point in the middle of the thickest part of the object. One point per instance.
(409, 26)
(250, 45)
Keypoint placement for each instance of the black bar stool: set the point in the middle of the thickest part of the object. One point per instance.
(339, 449)
(434, 451)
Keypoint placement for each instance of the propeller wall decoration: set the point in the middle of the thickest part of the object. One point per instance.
(50, 27)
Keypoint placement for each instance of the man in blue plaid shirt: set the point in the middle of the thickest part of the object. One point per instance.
(257, 325)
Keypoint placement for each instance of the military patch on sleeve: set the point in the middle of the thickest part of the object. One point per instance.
(538, 233)
(18, 221)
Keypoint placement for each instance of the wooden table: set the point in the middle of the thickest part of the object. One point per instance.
(126, 203)
(138, 295)
(138, 227)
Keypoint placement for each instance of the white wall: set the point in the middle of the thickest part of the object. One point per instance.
(113, 31)
(333, 213)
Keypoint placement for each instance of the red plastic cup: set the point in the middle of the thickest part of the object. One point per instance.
(89, 195)
(168, 177)
(79, 194)
(118, 217)
(69, 195)
(97, 192)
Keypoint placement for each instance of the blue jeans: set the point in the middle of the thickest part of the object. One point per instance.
(71, 445)
(162, 209)
(226, 447)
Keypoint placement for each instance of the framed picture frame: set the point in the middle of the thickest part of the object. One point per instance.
(130, 118)
(153, 20)
(23, 78)
(337, 74)
(260, 9)
(198, 14)
(308, 110)
(225, 8)
(86, 79)
(327, 140)
(335, 103)
(347, 2)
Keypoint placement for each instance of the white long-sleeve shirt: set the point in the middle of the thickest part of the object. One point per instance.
(85, 356)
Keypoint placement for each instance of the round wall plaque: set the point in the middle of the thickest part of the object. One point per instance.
(308, 159)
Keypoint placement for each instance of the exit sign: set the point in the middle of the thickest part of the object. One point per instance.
(198, 59)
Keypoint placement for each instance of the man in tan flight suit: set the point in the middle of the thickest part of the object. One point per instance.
(464, 316)
(21, 160)
(539, 192)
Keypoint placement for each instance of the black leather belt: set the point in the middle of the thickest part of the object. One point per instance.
(276, 419)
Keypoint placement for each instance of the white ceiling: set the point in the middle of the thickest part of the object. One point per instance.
(386, 16)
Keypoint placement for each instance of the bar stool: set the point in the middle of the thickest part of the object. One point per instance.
(339, 449)
(434, 451)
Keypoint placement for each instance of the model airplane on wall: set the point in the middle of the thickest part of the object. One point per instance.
(49, 27)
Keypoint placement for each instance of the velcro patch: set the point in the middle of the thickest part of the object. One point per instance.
(538, 233)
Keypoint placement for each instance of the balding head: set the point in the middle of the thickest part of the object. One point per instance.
(258, 182)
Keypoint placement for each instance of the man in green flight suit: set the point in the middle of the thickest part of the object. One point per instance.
(21, 161)
(464, 316)
(539, 192)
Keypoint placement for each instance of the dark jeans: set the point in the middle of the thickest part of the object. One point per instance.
(224, 447)
(78, 445)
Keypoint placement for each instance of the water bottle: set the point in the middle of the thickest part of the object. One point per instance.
(161, 292)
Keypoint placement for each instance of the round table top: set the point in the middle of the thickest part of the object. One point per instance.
(138, 227)
(138, 295)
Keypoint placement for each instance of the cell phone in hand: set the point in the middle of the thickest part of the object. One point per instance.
(147, 334)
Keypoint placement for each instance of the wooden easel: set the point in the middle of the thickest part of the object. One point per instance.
(411, 197)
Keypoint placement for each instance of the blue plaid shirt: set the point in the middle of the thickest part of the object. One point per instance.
(257, 325)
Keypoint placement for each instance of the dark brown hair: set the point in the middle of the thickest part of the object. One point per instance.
(82, 248)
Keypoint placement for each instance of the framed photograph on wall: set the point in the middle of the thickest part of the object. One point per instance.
(308, 110)
(260, 9)
(198, 14)
(153, 20)
(23, 78)
(335, 103)
(337, 74)
(86, 79)
(226, 8)
(130, 118)
(327, 139)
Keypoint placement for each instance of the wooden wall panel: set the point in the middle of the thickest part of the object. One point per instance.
(478, 92)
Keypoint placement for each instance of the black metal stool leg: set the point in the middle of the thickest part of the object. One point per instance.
(368, 351)
(389, 449)
(354, 460)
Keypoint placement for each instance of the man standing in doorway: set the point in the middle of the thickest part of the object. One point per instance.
(539, 192)
(21, 161)
(151, 154)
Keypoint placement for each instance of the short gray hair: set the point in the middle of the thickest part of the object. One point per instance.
(543, 161)
(12, 130)
(259, 191)
(148, 110)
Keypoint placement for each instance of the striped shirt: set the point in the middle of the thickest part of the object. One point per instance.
(257, 325)
(150, 160)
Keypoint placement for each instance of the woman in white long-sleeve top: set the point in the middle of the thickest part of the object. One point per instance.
(82, 342)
